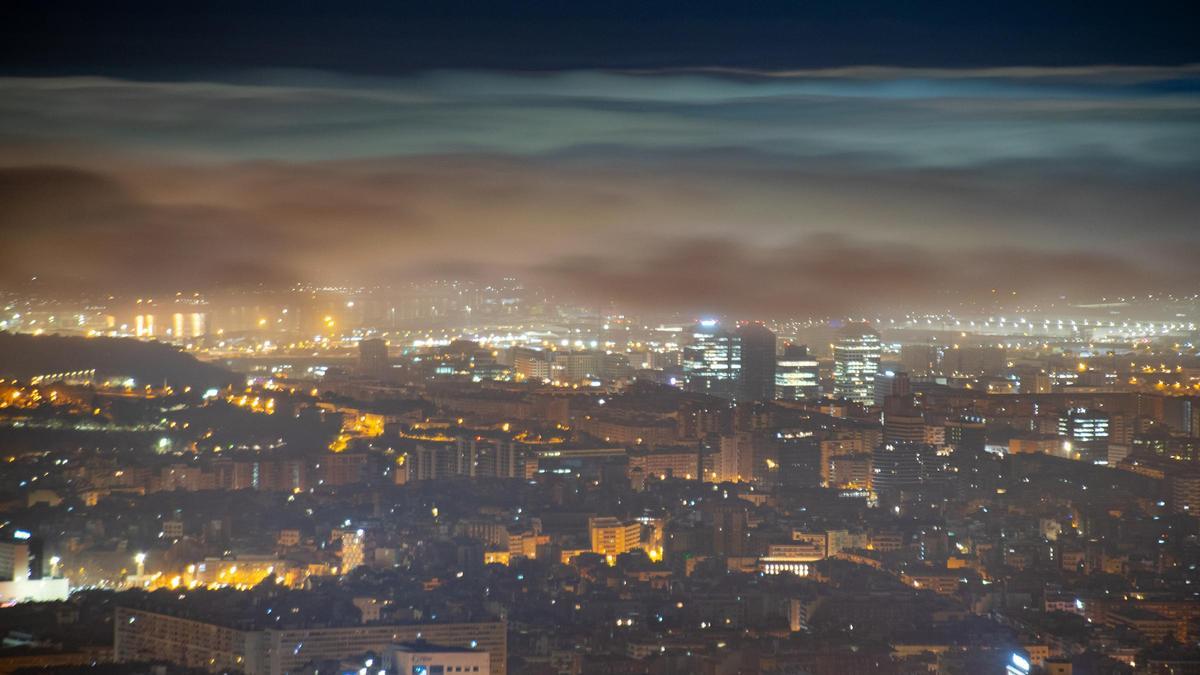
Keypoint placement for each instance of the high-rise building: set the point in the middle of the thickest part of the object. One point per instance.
(712, 363)
(855, 363)
(729, 519)
(904, 465)
(737, 364)
(890, 382)
(373, 357)
(796, 375)
(1087, 432)
(756, 381)
(735, 461)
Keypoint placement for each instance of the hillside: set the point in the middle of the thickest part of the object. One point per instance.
(23, 356)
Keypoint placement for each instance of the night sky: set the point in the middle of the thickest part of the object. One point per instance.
(793, 158)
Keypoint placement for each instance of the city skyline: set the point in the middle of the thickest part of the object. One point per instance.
(582, 338)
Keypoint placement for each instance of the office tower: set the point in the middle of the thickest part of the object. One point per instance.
(737, 364)
(799, 461)
(796, 375)
(902, 420)
(712, 362)
(855, 363)
(892, 382)
(904, 465)
(373, 357)
(756, 381)
(1087, 432)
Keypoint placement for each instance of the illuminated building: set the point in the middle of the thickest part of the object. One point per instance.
(373, 357)
(678, 462)
(849, 471)
(735, 458)
(796, 375)
(21, 572)
(352, 551)
(531, 364)
(801, 551)
(855, 363)
(733, 365)
(243, 571)
(422, 658)
(1087, 432)
(782, 565)
(612, 537)
(713, 360)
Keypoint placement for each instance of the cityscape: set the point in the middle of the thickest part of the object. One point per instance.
(573, 340)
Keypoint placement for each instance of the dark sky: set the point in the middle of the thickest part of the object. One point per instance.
(790, 158)
(166, 38)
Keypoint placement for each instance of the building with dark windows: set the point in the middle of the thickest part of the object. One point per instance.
(212, 644)
(373, 357)
(903, 466)
(756, 381)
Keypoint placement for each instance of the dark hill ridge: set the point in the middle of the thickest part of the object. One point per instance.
(23, 356)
